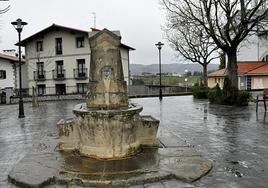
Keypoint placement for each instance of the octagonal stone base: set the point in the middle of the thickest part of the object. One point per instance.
(46, 166)
(107, 134)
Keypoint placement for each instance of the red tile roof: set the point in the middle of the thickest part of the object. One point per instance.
(217, 73)
(245, 68)
(10, 58)
(260, 70)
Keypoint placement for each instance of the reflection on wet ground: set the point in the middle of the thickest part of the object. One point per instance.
(236, 139)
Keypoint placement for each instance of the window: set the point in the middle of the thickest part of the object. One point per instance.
(39, 46)
(59, 67)
(81, 88)
(81, 65)
(80, 42)
(3, 74)
(41, 89)
(40, 68)
(58, 46)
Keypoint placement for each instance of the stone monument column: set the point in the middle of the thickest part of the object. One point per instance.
(107, 126)
(107, 88)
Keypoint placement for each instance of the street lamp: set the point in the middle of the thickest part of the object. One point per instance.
(18, 25)
(159, 46)
(186, 84)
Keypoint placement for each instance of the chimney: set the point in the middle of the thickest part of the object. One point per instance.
(11, 52)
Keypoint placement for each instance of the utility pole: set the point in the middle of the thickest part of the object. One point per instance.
(95, 18)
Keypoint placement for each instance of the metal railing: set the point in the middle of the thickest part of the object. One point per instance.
(58, 74)
(39, 76)
(80, 74)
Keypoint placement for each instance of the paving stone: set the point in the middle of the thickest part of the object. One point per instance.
(56, 186)
(176, 184)
(228, 133)
(137, 186)
(154, 185)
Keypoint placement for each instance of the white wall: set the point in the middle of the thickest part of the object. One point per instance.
(10, 79)
(24, 76)
(254, 48)
(125, 63)
(69, 57)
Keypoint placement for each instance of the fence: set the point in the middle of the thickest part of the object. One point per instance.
(149, 90)
(73, 92)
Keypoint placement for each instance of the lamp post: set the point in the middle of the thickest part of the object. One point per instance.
(18, 25)
(186, 84)
(159, 46)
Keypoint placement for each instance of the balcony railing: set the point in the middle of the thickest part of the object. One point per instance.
(39, 76)
(58, 74)
(80, 74)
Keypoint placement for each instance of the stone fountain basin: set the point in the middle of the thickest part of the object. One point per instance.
(108, 133)
(46, 166)
(82, 109)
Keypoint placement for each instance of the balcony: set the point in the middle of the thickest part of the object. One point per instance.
(58, 74)
(39, 76)
(80, 74)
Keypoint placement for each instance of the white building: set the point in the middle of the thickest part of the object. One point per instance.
(58, 60)
(9, 72)
(255, 46)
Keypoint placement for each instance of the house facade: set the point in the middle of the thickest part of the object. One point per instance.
(252, 75)
(58, 60)
(9, 76)
(254, 47)
(9, 72)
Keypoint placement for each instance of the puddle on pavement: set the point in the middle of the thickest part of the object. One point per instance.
(234, 171)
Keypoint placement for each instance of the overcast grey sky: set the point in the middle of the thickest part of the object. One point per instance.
(138, 20)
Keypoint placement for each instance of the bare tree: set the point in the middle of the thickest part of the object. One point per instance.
(228, 22)
(47, 62)
(191, 43)
(4, 10)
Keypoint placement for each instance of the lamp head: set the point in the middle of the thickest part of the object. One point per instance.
(159, 45)
(19, 24)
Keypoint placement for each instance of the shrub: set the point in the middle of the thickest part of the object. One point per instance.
(200, 92)
(218, 96)
(242, 98)
(215, 95)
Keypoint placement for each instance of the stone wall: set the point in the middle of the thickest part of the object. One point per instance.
(14, 100)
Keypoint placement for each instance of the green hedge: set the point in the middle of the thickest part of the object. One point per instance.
(200, 92)
(216, 96)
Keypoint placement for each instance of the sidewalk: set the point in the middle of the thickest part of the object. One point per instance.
(236, 139)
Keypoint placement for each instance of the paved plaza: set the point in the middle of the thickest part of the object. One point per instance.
(236, 139)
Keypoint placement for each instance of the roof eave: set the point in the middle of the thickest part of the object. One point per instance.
(24, 41)
(127, 47)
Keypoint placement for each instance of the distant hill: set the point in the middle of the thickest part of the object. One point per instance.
(138, 69)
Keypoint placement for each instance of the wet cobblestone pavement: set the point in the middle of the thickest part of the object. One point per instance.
(236, 139)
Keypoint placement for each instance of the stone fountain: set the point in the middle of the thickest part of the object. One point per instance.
(107, 126)
(108, 142)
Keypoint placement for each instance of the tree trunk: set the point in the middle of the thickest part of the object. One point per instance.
(231, 71)
(230, 87)
(205, 75)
